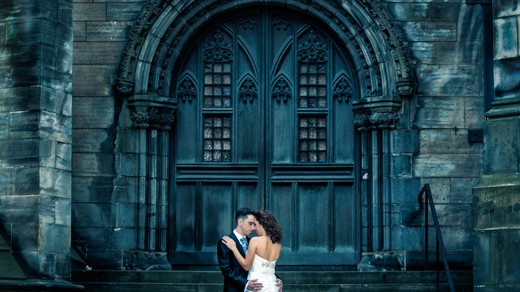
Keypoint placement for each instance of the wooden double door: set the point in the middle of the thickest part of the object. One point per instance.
(264, 120)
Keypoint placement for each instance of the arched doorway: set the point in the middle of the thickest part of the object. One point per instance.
(171, 51)
(265, 120)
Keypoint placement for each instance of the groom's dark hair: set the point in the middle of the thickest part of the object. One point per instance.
(242, 213)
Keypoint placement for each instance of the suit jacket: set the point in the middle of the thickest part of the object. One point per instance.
(235, 277)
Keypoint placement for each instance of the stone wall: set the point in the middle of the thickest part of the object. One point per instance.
(430, 143)
(497, 196)
(35, 133)
(446, 43)
(100, 35)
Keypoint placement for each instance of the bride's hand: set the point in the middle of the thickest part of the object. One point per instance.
(230, 243)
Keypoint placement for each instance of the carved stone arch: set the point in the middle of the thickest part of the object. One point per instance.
(366, 29)
(363, 28)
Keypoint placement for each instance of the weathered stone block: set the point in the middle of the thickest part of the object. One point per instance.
(440, 188)
(24, 124)
(122, 238)
(430, 31)
(55, 182)
(123, 11)
(502, 151)
(25, 235)
(404, 141)
(507, 78)
(92, 140)
(55, 238)
(451, 81)
(464, 52)
(447, 165)
(98, 53)
(496, 202)
(92, 189)
(401, 166)
(92, 164)
(462, 189)
(91, 215)
(496, 260)
(27, 181)
(93, 113)
(445, 11)
(129, 164)
(406, 11)
(89, 11)
(57, 101)
(125, 215)
(423, 52)
(19, 99)
(113, 31)
(506, 38)
(446, 141)
(79, 29)
(406, 238)
(6, 181)
(405, 190)
(97, 80)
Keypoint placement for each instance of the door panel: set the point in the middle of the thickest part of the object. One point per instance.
(265, 121)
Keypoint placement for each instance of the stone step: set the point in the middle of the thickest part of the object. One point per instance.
(304, 281)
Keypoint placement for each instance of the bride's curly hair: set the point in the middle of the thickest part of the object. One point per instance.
(272, 228)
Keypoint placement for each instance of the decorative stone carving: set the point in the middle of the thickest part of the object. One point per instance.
(281, 23)
(187, 90)
(342, 90)
(365, 121)
(312, 51)
(217, 51)
(248, 91)
(152, 111)
(248, 23)
(281, 90)
(365, 42)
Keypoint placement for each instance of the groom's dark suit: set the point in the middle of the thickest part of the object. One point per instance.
(235, 277)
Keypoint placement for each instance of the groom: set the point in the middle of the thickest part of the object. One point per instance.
(235, 277)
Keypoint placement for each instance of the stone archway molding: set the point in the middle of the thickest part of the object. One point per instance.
(365, 28)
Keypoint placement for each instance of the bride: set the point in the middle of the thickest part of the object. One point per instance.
(262, 253)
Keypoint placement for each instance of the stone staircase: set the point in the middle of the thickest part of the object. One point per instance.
(301, 281)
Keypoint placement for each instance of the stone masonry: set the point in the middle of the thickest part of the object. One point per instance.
(63, 125)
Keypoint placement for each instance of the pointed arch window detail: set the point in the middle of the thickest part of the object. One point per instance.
(248, 90)
(342, 89)
(312, 71)
(281, 23)
(312, 51)
(312, 138)
(187, 90)
(217, 57)
(281, 90)
(248, 23)
(218, 50)
(217, 138)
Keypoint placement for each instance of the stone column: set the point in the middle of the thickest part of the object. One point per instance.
(497, 196)
(152, 116)
(376, 197)
(36, 133)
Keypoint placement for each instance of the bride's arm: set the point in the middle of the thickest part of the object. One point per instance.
(247, 262)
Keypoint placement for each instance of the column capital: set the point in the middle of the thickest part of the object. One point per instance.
(152, 111)
(365, 121)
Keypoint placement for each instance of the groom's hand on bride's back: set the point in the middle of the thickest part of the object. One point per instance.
(254, 285)
(279, 284)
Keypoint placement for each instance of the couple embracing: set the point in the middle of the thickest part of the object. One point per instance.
(249, 264)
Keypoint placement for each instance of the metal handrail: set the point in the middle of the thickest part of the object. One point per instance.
(438, 242)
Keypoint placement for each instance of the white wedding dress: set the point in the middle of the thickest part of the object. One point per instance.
(263, 270)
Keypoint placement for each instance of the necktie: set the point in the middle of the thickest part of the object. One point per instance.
(243, 242)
